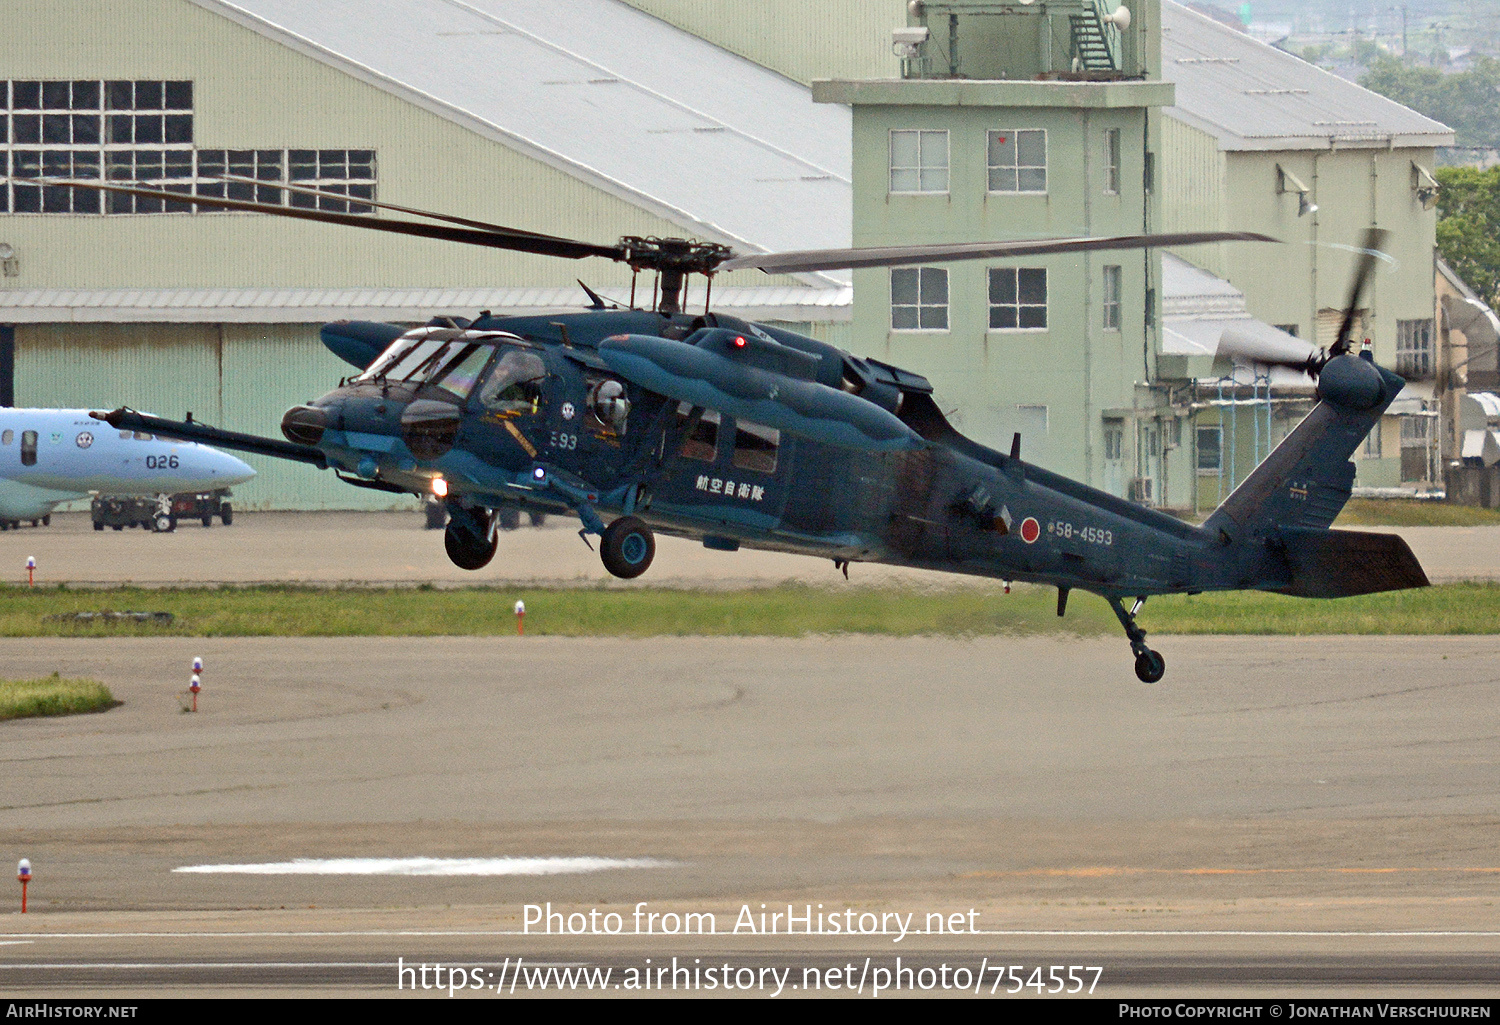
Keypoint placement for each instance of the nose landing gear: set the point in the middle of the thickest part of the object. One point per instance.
(1149, 665)
(470, 538)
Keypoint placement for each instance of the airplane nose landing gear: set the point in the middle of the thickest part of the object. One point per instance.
(1149, 665)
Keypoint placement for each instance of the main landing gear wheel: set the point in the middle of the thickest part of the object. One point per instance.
(467, 549)
(1150, 666)
(628, 547)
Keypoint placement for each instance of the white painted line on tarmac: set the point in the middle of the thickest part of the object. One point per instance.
(431, 866)
(141, 965)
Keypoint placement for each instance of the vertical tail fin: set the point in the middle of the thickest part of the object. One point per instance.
(1307, 479)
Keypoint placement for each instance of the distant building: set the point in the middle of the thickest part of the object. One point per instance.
(1251, 138)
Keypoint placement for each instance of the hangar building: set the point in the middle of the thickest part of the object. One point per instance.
(583, 118)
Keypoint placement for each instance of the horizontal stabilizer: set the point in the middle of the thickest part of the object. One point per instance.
(1340, 563)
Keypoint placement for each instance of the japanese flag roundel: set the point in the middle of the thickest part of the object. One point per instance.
(1030, 529)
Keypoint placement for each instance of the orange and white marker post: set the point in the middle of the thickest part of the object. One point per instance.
(31, 571)
(520, 617)
(195, 687)
(23, 873)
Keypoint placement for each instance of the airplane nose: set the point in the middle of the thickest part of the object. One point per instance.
(230, 469)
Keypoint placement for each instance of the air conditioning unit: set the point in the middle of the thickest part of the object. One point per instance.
(1140, 490)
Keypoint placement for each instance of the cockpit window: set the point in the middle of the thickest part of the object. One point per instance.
(461, 368)
(515, 383)
(393, 352)
(418, 356)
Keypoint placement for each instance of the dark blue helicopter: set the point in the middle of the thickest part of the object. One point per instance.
(645, 421)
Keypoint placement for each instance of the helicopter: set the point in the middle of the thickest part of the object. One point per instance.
(653, 420)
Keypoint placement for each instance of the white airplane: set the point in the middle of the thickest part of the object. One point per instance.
(50, 456)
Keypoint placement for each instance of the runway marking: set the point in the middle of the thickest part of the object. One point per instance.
(432, 866)
(1098, 871)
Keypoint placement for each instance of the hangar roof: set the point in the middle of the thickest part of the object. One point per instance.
(731, 151)
(413, 305)
(1252, 96)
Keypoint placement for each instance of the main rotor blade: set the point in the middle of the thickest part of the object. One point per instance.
(507, 238)
(897, 256)
(308, 190)
(1374, 246)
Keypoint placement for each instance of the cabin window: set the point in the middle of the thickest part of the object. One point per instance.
(515, 383)
(703, 442)
(28, 448)
(755, 447)
(7, 437)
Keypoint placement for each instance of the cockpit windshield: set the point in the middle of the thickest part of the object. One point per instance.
(460, 367)
(452, 358)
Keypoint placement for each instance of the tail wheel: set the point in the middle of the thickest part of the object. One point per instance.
(628, 547)
(1150, 666)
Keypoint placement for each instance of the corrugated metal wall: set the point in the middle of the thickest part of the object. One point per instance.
(1192, 185)
(243, 377)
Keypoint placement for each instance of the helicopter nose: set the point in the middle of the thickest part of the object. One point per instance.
(304, 424)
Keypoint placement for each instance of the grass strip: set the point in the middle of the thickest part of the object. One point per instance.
(52, 695)
(1407, 512)
(787, 610)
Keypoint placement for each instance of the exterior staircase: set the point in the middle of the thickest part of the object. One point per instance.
(1090, 43)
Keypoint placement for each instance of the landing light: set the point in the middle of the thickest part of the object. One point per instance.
(439, 487)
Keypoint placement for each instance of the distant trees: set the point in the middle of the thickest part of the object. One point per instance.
(1466, 101)
(1468, 228)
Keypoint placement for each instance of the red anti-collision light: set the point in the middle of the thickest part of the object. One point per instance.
(739, 341)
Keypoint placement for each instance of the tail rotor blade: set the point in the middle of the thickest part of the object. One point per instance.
(1269, 348)
(1373, 247)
